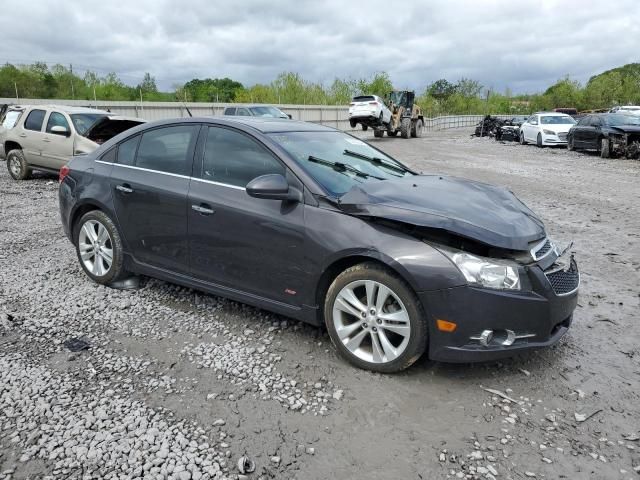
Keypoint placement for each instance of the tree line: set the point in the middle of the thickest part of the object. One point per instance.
(465, 96)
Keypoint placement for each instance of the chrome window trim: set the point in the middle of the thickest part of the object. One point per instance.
(172, 175)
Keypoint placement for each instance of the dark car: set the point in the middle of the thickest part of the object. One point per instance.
(612, 134)
(315, 224)
(255, 111)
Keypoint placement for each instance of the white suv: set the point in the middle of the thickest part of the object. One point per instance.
(368, 111)
(45, 137)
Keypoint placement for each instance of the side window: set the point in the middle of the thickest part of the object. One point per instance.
(595, 121)
(57, 119)
(230, 111)
(584, 121)
(34, 120)
(233, 158)
(127, 151)
(110, 156)
(244, 112)
(168, 149)
(533, 120)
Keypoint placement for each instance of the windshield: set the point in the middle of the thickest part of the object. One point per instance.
(11, 118)
(83, 121)
(556, 120)
(267, 112)
(331, 147)
(621, 119)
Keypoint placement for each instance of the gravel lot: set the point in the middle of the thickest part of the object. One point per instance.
(179, 384)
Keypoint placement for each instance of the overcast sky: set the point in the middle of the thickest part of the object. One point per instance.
(522, 44)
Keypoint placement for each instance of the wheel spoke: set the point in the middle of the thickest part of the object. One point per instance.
(89, 232)
(97, 266)
(354, 342)
(347, 330)
(381, 298)
(103, 235)
(399, 316)
(376, 348)
(346, 307)
(370, 287)
(107, 254)
(86, 254)
(402, 330)
(350, 298)
(389, 350)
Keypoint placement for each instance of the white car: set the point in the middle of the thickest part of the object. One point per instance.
(628, 109)
(546, 128)
(368, 111)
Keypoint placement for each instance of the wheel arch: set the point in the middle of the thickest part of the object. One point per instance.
(11, 145)
(82, 209)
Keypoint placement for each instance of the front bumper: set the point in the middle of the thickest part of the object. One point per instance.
(554, 140)
(538, 317)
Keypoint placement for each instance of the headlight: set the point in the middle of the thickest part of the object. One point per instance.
(486, 272)
(549, 132)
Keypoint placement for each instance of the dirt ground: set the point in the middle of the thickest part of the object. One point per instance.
(237, 381)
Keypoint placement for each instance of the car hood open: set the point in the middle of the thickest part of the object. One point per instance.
(109, 126)
(479, 211)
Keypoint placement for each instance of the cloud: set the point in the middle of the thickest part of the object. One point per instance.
(523, 45)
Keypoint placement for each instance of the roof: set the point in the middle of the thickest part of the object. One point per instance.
(562, 114)
(261, 124)
(68, 109)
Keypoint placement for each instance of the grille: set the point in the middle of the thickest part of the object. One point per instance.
(564, 282)
(542, 251)
(562, 136)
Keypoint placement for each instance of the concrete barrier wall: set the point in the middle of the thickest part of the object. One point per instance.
(333, 116)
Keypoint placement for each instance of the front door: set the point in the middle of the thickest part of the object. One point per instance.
(32, 138)
(58, 148)
(150, 183)
(252, 245)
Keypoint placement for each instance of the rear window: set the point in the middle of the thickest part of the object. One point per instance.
(11, 118)
(34, 120)
(83, 121)
(365, 98)
(230, 111)
(127, 151)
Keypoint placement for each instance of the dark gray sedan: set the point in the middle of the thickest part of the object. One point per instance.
(315, 224)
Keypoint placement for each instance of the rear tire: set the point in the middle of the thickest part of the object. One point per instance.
(539, 141)
(605, 148)
(570, 146)
(99, 247)
(365, 128)
(405, 128)
(378, 133)
(17, 165)
(353, 123)
(392, 133)
(357, 310)
(522, 140)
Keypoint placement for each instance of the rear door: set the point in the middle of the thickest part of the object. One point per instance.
(530, 128)
(150, 183)
(31, 137)
(252, 245)
(592, 137)
(58, 147)
(579, 131)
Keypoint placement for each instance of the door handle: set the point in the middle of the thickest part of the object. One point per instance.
(124, 188)
(203, 209)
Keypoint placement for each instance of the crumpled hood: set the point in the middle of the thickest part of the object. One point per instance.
(486, 213)
(627, 128)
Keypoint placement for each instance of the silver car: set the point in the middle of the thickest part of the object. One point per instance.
(45, 137)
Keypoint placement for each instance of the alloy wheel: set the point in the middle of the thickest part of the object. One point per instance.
(371, 321)
(96, 248)
(14, 166)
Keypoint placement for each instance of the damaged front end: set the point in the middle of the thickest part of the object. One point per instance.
(626, 145)
(518, 290)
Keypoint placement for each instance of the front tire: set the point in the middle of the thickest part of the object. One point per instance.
(99, 247)
(17, 165)
(378, 133)
(365, 128)
(522, 140)
(539, 141)
(570, 146)
(605, 148)
(405, 128)
(374, 319)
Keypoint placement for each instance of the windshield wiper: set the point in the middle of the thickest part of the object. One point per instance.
(342, 167)
(377, 161)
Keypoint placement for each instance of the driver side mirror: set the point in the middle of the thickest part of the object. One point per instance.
(273, 187)
(60, 130)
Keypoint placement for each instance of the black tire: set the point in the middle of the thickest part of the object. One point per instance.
(539, 141)
(417, 128)
(17, 165)
(418, 335)
(378, 133)
(605, 148)
(405, 127)
(365, 128)
(392, 133)
(116, 270)
(522, 140)
(353, 123)
(570, 146)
